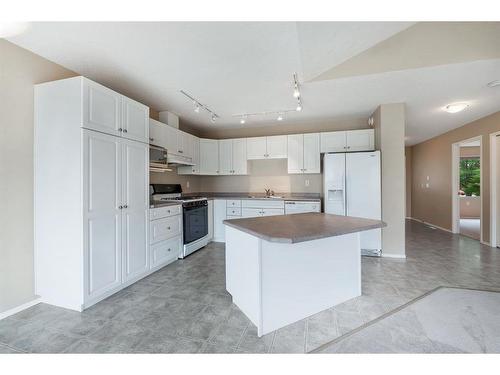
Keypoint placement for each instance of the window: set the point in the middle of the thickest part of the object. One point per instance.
(470, 177)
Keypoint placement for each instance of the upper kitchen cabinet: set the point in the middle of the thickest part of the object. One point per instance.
(135, 120)
(274, 147)
(194, 146)
(209, 156)
(348, 141)
(109, 112)
(171, 139)
(156, 133)
(233, 156)
(303, 153)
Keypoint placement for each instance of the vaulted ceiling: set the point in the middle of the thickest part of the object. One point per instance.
(345, 69)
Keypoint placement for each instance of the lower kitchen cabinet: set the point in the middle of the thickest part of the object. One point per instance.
(219, 217)
(165, 252)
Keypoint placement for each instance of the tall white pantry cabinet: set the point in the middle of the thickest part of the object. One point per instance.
(91, 192)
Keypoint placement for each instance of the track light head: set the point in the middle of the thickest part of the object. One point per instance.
(280, 117)
(196, 107)
(213, 119)
(242, 120)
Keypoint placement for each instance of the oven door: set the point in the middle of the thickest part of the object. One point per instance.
(195, 220)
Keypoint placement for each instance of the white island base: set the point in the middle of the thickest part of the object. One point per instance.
(276, 284)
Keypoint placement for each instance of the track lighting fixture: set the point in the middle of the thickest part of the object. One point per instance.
(213, 119)
(296, 91)
(242, 120)
(280, 117)
(299, 107)
(198, 106)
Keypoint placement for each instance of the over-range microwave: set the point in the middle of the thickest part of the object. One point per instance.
(158, 159)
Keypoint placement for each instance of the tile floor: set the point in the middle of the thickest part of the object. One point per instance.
(470, 228)
(184, 307)
(448, 320)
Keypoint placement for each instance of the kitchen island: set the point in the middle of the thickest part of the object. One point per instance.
(281, 269)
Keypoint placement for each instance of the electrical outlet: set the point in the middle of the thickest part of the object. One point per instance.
(187, 184)
(307, 182)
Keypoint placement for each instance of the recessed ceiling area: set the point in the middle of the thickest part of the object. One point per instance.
(247, 67)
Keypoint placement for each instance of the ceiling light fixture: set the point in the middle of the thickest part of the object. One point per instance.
(494, 83)
(299, 107)
(455, 107)
(280, 117)
(296, 91)
(242, 121)
(198, 106)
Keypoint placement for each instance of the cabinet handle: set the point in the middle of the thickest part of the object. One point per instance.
(151, 139)
(125, 206)
(124, 130)
(348, 147)
(168, 211)
(120, 207)
(180, 151)
(168, 228)
(168, 249)
(120, 129)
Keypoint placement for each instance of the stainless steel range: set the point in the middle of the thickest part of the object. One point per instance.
(194, 215)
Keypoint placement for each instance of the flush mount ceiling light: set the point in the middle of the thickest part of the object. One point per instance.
(198, 106)
(280, 117)
(494, 83)
(455, 107)
(242, 120)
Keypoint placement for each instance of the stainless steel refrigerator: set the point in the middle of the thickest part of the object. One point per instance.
(351, 187)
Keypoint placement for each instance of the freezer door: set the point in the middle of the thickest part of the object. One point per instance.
(334, 183)
(363, 194)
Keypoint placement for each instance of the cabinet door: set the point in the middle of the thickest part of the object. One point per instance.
(333, 142)
(135, 215)
(219, 217)
(102, 217)
(295, 153)
(240, 163)
(135, 120)
(209, 157)
(312, 163)
(187, 145)
(225, 156)
(251, 212)
(183, 143)
(276, 147)
(101, 108)
(210, 220)
(165, 252)
(171, 139)
(272, 211)
(360, 140)
(157, 134)
(256, 148)
(196, 155)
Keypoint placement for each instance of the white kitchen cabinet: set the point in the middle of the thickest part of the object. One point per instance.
(166, 235)
(298, 207)
(135, 120)
(303, 153)
(165, 252)
(210, 220)
(225, 156)
(262, 207)
(360, 140)
(157, 133)
(109, 112)
(219, 217)
(209, 156)
(233, 156)
(194, 147)
(170, 135)
(135, 217)
(333, 141)
(165, 228)
(102, 213)
(184, 144)
(276, 147)
(348, 141)
(273, 147)
(91, 195)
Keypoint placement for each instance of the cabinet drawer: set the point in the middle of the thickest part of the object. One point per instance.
(262, 203)
(233, 203)
(165, 228)
(165, 252)
(251, 212)
(161, 212)
(236, 211)
(273, 211)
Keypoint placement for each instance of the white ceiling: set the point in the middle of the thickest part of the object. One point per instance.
(247, 67)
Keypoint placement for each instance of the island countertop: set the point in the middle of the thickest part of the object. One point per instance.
(302, 227)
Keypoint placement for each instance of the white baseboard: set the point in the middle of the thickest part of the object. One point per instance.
(19, 308)
(430, 224)
(396, 256)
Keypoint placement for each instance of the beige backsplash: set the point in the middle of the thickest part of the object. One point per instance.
(263, 174)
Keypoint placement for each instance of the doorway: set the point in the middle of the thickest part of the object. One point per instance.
(467, 184)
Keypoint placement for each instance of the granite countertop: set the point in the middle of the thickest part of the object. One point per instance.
(314, 197)
(302, 227)
(156, 204)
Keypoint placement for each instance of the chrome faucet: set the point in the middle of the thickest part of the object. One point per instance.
(269, 192)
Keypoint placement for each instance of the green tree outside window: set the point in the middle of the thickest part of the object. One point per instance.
(470, 177)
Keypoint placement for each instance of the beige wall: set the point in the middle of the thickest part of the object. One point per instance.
(174, 178)
(433, 158)
(19, 71)
(264, 174)
(389, 123)
(408, 173)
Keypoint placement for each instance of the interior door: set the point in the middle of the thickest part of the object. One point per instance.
(240, 163)
(312, 160)
(135, 120)
(135, 209)
(101, 108)
(296, 153)
(225, 156)
(102, 216)
(364, 193)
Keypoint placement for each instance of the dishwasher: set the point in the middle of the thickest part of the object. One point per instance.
(297, 207)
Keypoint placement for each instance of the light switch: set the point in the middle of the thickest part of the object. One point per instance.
(427, 185)
(428, 178)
